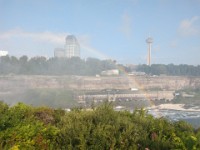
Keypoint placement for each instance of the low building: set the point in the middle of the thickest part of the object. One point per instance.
(59, 52)
(112, 72)
(3, 53)
(137, 73)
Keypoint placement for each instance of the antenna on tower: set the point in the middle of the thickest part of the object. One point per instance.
(149, 41)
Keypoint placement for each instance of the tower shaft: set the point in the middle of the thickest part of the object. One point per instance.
(149, 55)
(149, 41)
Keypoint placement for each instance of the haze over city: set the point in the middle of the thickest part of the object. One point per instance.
(114, 29)
(100, 74)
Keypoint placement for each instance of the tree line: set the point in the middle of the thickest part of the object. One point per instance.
(90, 66)
(53, 66)
(26, 127)
(170, 69)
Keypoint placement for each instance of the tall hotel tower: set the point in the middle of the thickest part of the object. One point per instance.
(72, 47)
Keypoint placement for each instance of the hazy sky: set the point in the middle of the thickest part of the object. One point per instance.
(114, 29)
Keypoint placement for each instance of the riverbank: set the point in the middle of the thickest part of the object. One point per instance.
(180, 107)
(177, 112)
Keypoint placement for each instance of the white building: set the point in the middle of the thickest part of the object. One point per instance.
(72, 47)
(3, 53)
(114, 72)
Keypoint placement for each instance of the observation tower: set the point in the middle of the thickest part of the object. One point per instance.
(149, 41)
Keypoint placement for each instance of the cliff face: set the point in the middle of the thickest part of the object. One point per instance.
(16, 88)
(10, 83)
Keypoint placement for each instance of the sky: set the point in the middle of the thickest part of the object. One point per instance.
(105, 29)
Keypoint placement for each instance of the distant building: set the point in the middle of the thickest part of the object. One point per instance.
(72, 47)
(59, 52)
(137, 73)
(110, 72)
(3, 53)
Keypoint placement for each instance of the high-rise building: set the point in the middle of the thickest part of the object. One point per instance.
(72, 48)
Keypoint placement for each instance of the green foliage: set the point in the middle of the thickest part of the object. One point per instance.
(21, 127)
(3, 107)
(171, 69)
(101, 128)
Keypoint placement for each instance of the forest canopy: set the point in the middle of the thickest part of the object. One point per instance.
(170, 69)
